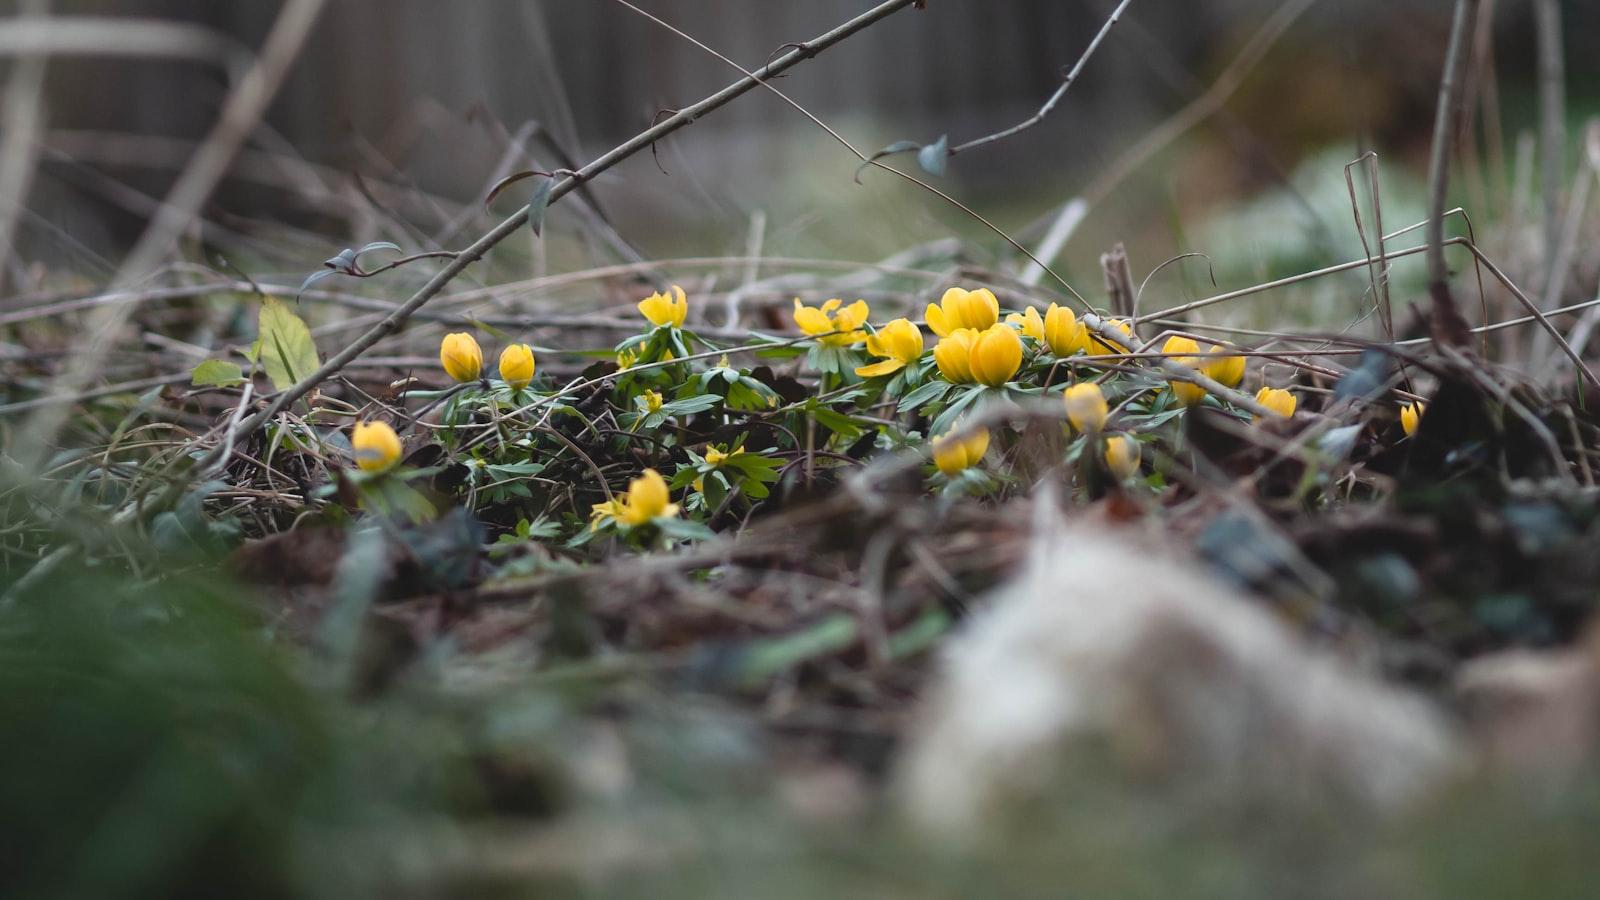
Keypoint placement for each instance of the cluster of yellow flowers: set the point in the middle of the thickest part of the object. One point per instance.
(462, 359)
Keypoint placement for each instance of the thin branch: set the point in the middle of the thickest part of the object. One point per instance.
(1448, 326)
(1055, 98)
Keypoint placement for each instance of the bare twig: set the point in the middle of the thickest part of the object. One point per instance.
(1055, 98)
(1448, 326)
(1552, 127)
(19, 150)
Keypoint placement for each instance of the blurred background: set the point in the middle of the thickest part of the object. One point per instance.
(428, 103)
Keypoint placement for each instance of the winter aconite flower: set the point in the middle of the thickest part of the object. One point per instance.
(1029, 323)
(1058, 329)
(1223, 367)
(960, 308)
(1278, 400)
(1063, 333)
(955, 455)
(1410, 415)
(900, 345)
(996, 355)
(1122, 456)
(953, 355)
(516, 365)
(1086, 406)
(835, 329)
(653, 401)
(663, 310)
(461, 357)
(1182, 350)
(1102, 345)
(647, 499)
(376, 446)
(626, 359)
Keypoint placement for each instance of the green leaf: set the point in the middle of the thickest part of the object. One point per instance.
(836, 422)
(285, 348)
(929, 392)
(217, 373)
(892, 149)
(538, 205)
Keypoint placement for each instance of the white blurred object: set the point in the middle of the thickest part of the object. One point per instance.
(1101, 643)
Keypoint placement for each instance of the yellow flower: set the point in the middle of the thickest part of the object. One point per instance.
(953, 355)
(662, 309)
(647, 499)
(1278, 400)
(1057, 329)
(717, 457)
(1224, 367)
(900, 345)
(1187, 392)
(1063, 333)
(653, 401)
(626, 359)
(1029, 323)
(600, 513)
(376, 445)
(1180, 346)
(996, 355)
(952, 456)
(1086, 406)
(1102, 345)
(516, 365)
(1410, 415)
(963, 309)
(461, 357)
(1122, 456)
(823, 320)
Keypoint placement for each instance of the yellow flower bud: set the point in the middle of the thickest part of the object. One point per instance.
(376, 446)
(996, 355)
(1410, 415)
(662, 309)
(1187, 392)
(1122, 456)
(461, 357)
(653, 401)
(1063, 333)
(821, 322)
(516, 365)
(626, 359)
(1278, 400)
(1086, 406)
(1029, 323)
(1223, 366)
(952, 455)
(1177, 345)
(717, 457)
(647, 499)
(900, 345)
(953, 355)
(960, 308)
